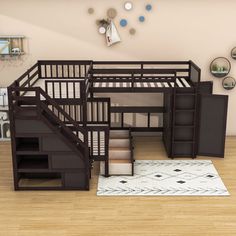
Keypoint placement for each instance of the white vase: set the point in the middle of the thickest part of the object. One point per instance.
(8, 133)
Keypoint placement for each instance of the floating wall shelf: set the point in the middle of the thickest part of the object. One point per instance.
(11, 45)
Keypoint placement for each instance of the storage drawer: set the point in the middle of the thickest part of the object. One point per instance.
(53, 143)
(66, 161)
(117, 167)
(76, 180)
(31, 126)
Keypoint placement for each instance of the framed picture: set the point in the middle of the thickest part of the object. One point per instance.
(4, 47)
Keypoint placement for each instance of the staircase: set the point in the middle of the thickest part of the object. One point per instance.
(47, 154)
(121, 160)
(184, 123)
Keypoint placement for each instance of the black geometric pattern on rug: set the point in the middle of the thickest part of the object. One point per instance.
(168, 177)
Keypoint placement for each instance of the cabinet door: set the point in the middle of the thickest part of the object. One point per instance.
(212, 125)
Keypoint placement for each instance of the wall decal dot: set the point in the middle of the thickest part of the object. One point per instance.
(111, 13)
(102, 30)
(141, 18)
(148, 7)
(123, 22)
(128, 6)
(132, 31)
(90, 10)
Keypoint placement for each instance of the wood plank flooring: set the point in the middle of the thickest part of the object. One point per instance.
(73, 213)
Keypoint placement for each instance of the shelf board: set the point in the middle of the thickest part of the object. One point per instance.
(4, 108)
(5, 139)
(12, 36)
(42, 152)
(33, 164)
(26, 182)
(28, 148)
(220, 72)
(12, 54)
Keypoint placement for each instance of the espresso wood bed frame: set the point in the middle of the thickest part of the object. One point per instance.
(60, 126)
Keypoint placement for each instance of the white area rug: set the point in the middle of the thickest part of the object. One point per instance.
(166, 178)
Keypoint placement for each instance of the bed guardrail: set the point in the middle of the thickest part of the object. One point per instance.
(146, 111)
(50, 69)
(65, 88)
(194, 72)
(99, 142)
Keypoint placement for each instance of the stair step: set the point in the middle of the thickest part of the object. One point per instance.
(119, 143)
(119, 134)
(119, 161)
(119, 153)
(117, 167)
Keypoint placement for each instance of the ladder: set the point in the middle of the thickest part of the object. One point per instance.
(184, 122)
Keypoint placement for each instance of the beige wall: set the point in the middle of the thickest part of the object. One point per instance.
(175, 30)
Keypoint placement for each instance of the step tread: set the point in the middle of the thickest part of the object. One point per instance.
(119, 134)
(119, 149)
(120, 161)
(119, 138)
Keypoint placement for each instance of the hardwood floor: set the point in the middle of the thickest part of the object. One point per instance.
(73, 213)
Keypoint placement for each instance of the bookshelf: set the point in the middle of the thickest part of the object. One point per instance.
(4, 116)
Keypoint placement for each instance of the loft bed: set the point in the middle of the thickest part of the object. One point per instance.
(62, 80)
(56, 113)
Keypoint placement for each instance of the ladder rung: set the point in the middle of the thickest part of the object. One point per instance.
(184, 126)
(184, 141)
(185, 94)
(184, 110)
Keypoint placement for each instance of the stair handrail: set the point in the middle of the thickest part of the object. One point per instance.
(39, 92)
(82, 147)
(26, 76)
(67, 116)
(83, 152)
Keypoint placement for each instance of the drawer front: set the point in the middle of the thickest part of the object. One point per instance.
(76, 180)
(66, 161)
(53, 143)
